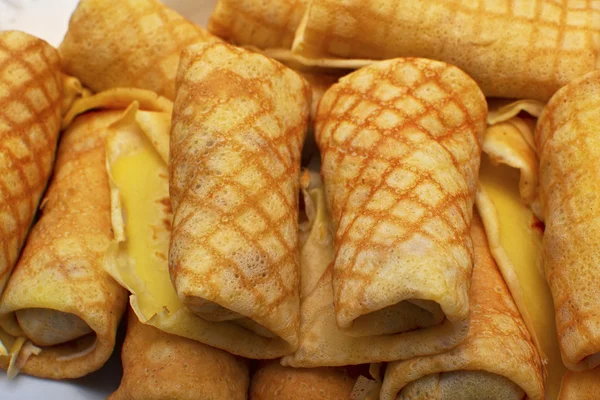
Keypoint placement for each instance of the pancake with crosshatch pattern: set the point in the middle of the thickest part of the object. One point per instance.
(239, 122)
(130, 43)
(525, 49)
(400, 146)
(59, 297)
(497, 360)
(567, 143)
(257, 23)
(30, 112)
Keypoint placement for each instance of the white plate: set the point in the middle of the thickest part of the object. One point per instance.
(48, 19)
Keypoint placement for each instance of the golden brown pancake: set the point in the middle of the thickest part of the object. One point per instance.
(583, 385)
(132, 43)
(524, 49)
(239, 121)
(400, 147)
(59, 297)
(497, 360)
(567, 143)
(264, 24)
(273, 381)
(30, 112)
(161, 366)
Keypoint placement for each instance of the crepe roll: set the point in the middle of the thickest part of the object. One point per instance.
(567, 144)
(160, 366)
(264, 24)
(515, 49)
(59, 297)
(583, 385)
(239, 121)
(31, 98)
(132, 43)
(497, 360)
(400, 144)
(273, 381)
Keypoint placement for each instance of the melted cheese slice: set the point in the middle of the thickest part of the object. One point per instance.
(141, 214)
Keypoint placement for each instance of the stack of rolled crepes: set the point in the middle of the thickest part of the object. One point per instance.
(193, 206)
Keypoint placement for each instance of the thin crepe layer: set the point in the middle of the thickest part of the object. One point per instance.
(30, 111)
(567, 142)
(72, 91)
(582, 385)
(316, 241)
(400, 148)
(239, 121)
(497, 359)
(513, 230)
(319, 83)
(158, 365)
(264, 24)
(321, 341)
(521, 49)
(273, 381)
(59, 284)
(130, 43)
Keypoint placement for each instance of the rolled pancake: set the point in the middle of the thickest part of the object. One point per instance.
(507, 184)
(273, 381)
(525, 49)
(239, 121)
(582, 385)
(132, 43)
(264, 24)
(30, 104)
(159, 366)
(321, 341)
(400, 148)
(567, 143)
(59, 297)
(497, 360)
(142, 218)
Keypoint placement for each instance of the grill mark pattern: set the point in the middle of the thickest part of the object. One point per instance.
(235, 76)
(340, 131)
(101, 58)
(29, 125)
